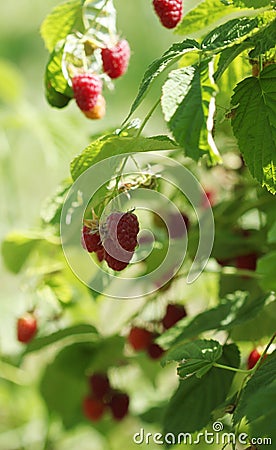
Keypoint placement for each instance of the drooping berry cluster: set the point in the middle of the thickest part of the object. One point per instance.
(141, 338)
(26, 327)
(87, 87)
(168, 11)
(103, 397)
(119, 240)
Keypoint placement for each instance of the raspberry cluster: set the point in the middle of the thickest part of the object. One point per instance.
(119, 240)
(168, 11)
(102, 397)
(141, 338)
(87, 87)
(26, 327)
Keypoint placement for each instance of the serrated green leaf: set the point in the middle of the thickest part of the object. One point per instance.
(254, 125)
(194, 356)
(17, 247)
(112, 145)
(188, 105)
(196, 399)
(266, 268)
(227, 56)
(73, 331)
(264, 40)
(199, 20)
(262, 378)
(55, 98)
(173, 54)
(54, 77)
(228, 33)
(60, 22)
(52, 206)
(233, 310)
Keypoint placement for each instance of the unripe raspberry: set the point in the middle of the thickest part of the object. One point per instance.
(86, 88)
(91, 241)
(168, 11)
(140, 338)
(26, 328)
(93, 408)
(115, 59)
(119, 404)
(98, 111)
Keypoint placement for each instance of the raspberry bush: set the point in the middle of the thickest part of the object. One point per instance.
(129, 338)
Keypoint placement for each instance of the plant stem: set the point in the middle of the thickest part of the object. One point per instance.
(148, 116)
(259, 362)
(13, 374)
(233, 369)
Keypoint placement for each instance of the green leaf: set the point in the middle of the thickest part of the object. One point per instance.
(52, 206)
(70, 332)
(228, 33)
(112, 145)
(54, 77)
(254, 125)
(191, 406)
(227, 56)
(173, 54)
(266, 268)
(204, 16)
(233, 310)
(264, 40)
(194, 357)
(188, 106)
(55, 98)
(60, 22)
(271, 236)
(263, 378)
(252, 3)
(17, 247)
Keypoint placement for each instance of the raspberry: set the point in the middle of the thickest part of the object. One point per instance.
(119, 404)
(100, 254)
(98, 111)
(93, 408)
(155, 351)
(99, 384)
(247, 262)
(139, 338)
(121, 239)
(174, 313)
(252, 359)
(90, 240)
(115, 59)
(168, 11)
(26, 328)
(86, 88)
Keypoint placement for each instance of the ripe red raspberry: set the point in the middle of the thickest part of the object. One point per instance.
(119, 404)
(26, 328)
(93, 408)
(140, 338)
(115, 59)
(121, 230)
(174, 313)
(99, 384)
(91, 241)
(100, 254)
(247, 262)
(155, 351)
(86, 88)
(168, 11)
